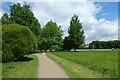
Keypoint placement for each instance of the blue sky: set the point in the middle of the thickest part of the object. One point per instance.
(109, 10)
(6, 6)
(99, 18)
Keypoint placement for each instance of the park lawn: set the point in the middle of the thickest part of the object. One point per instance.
(104, 62)
(21, 69)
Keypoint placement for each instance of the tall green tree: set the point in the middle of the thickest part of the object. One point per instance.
(76, 33)
(22, 15)
(51, 36)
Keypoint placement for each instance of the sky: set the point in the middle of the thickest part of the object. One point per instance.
(99, 19)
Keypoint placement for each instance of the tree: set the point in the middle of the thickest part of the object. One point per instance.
(17, 41)
(76, 33)
(67, 44)
(105, 44)
(51, 36)
(5, 19)
(22, 15)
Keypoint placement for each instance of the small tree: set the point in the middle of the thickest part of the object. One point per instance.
(76, 33)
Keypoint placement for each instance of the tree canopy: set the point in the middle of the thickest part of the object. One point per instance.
(76, 33)
(5, 19)
(22, 15)
(105, 44)
(67, 44)
(51, 37)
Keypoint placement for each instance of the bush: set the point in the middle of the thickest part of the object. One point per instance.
(7, 55)
(17, 41)
(55, 47)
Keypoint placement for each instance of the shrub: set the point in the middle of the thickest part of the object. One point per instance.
(55, 47)
(7, 55)
(19, 39)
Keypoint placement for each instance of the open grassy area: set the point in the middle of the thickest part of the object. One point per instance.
(21, 69)
(105, 62)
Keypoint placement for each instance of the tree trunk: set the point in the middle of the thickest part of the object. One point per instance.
(41, 50)
(74, 49)
(34, 48)
(45, 50)
(50, 50)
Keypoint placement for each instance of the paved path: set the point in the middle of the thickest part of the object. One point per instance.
(48, 68)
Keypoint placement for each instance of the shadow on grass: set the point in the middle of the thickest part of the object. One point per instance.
(23, 59)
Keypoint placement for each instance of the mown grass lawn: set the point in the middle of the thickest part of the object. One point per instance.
(21, 69)
(105, 62)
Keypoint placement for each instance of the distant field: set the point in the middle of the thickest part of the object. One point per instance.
(105, 62)
(21, 69)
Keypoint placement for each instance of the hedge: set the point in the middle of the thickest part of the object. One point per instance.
(17, 41)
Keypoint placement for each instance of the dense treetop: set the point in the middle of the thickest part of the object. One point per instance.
(76, 33)
(22, 15)
(51, 36)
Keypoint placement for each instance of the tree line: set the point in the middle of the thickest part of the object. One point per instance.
(115, 44)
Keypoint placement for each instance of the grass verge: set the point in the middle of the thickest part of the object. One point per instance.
(21, 69)
(75, 70)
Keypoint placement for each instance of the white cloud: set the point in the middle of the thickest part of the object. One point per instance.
(1, 13)
(61, 0)
(103, 30)
(45, 0)
(63, 11)
(18, 1)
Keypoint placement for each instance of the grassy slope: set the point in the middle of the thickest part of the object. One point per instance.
(26, 69)
(104, 62)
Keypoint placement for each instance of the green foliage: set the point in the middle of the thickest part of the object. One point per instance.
(7, 52)
(76, 33)
(43, 44)
(0, 37)
(67, 44)
(105, 44)
(51, 35)
(22, 15)
(19, 39)
(5, 19)
(55, 47)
